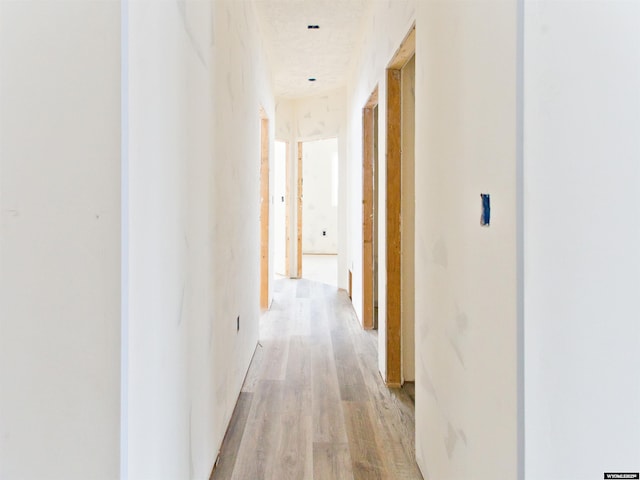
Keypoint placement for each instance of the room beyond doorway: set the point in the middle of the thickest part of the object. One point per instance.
(318, 207)
(281, 244)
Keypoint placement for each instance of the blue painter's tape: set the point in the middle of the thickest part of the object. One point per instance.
(486, 210)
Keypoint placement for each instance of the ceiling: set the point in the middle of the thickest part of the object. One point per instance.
(298, 53)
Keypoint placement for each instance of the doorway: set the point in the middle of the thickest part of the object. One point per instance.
(400, 214)
(318, 207)
(370, 211)
(264, 211)
(280, 210)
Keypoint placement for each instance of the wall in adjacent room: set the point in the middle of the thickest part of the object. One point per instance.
(319, 213)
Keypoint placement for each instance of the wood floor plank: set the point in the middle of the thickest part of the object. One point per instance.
(299, 361)
(396, 422)
(332, 461)
(318, 329)
(303, 289)
(328, 420)
(365, 456)
(294, 453)
(300, 313)
(274, 364)
(352, 386)
(257, 451)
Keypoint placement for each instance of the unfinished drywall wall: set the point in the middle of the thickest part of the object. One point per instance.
(466, 314)
(161, 283)
(582, 238)
(197, 80)
(320, 197)
(308, 119)
(59, 240)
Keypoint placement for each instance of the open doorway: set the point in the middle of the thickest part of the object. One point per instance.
(370, 211)
(264, 211)
(400, 214)
(318, 207)
(280, 210)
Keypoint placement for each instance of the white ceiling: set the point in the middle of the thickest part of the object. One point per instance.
(297, 53)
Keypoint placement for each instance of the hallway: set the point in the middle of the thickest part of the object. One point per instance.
(142, 199)
(313, 404)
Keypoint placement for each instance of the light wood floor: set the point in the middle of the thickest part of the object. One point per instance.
(320, 268)
(313, 405)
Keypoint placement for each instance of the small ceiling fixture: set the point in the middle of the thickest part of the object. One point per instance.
(313, 27)
(312, 79)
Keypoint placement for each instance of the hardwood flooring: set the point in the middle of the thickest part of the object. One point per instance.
(313, 405)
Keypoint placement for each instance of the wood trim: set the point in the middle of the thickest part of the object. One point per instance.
(394, 209)
(394, 258)
(264, 212)
(367, 217)
(299, 262)
(373, 99)
(287, 248)
(406, 50)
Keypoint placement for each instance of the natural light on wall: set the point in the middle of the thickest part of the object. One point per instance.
(334, 180)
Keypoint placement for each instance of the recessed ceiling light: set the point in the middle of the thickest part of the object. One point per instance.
(312, 79)
(313, 27)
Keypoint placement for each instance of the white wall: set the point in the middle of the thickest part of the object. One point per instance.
(196, 84)
(309, 119)
(59, 240)
(161, 283)
(241, 83)
(582, 238)
(319, 212)
(466, 309)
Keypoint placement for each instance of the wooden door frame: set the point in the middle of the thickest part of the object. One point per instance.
(264, 210)
(394, 211)
(368, 192)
